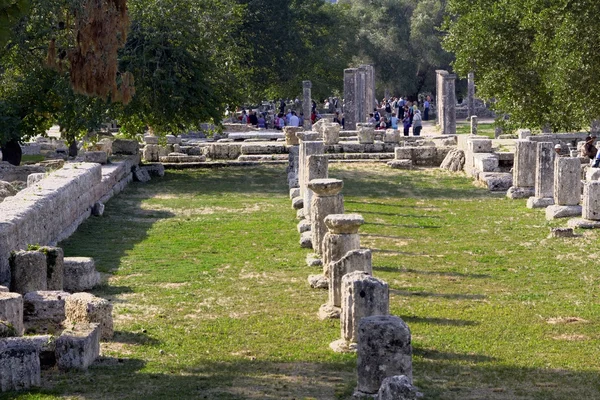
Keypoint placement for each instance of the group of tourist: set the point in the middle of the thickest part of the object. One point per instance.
(400, 111)
(278, 121)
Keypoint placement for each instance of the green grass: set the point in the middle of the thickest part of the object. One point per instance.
(32, 159)
(211, 301)
(464, 128)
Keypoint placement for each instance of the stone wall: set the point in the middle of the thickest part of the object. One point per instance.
(53, 208)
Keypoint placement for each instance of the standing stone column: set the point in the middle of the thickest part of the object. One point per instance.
(474, 125)
(567, 189)
(544, 177)
(350, 93)
(317, 167)
(471, 94)
(327, 200)
(342, 235)
(449, 106)
(307, 103)
(591, 207)
(361, 91)
(523, 170)
(440, 96)
(308, 148)
(370, 86)
(362, 296)
(384, 350)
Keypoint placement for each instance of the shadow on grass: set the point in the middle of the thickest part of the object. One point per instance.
(453, 296)
(438, 321)
(135, 338)
(369, 235)
(446, 356)
(392, 214)
(436, 273)
(408, 226)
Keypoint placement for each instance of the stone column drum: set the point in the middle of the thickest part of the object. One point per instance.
(327, 200)
(439, 96)
(316, 167)
(567, 189)
(449, 106)
(331, 134)
(339, 240)
(362, 296)
(306, 103)
(474, 125)
(591, 201)
(290, 135)
(544, 177)
(366, 135)
(350, 106)
(523, 170)
(384, 350)
(307, 148)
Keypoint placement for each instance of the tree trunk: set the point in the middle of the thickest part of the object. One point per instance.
(12, 152)
(73, 148)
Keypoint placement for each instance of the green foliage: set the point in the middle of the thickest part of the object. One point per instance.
(10, 13)
(402, 40)
(538, 60)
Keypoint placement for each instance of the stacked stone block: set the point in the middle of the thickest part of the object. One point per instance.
(523, 170)
(544, 177)
(567, 189)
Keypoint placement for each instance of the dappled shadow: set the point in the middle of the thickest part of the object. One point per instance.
(447, 356)
(134, 338)
(408, 226)
(436, 273)
(453, 296)
(392, 214)
(370, 235)
(438, 321)
(399, 205)
(396, 252)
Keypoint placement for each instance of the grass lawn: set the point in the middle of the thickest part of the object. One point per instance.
(211, 300)
(484, 129)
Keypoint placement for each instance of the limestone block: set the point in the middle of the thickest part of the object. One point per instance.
(485, 162)
(177, 158)
(294, 192)
(11, 310)
(355, 260)
(592, 174)
(391, 136)
(304, 226)
(155, 169)
(398, 387)
(44, 311)
(28, 271)
(582, 223)
(45, 346)
(297, 203)
(99, 157)
(567, 181)
(362, 296)
(454, 161)
(591, 201)
(561, 233)
(524, 165)
(384, 350)
(55, 269)
(331, 134)
(544, 170)
(313, 260)
(473, 125)
(318, 126)
(308, 136)
(290, 135)
(3, 289)
(122, 146)
(523, 133)
(520, 192)
(539, 202)
(327, 200)
(316, 166)
(85, 307)
(318, 282)
(150, 152)
(558, 211)
(366, 135)
(80, 274)
(78, 346)
(403, 153)
(479, 145)
(400, 164)
(98, 209)
(34, 178)
(306, 240)
(19, 365)
(140, 174)
(258, 148)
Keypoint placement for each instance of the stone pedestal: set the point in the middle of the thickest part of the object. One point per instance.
(19, 364)
(567, 189)
(87, 308)
(471, 94)
(366, 135)
(391, 136)
(55, 270)
(440, 99)
(544, 177)
(331, 134)
(523, 170)
(327, 200)
(290, 135)
(590, 209)
(398, 387)
(474, 125)
(384, 350)
(316, 167)
(307, 148)
(78, 347)
(292, 171)
(362, 296)
(307, 103)
(80, 274)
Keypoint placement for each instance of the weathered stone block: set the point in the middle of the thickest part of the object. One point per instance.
(567, 181)
(355, 260)
(306, 240)
(327, 200)
(99, 157)
(384, 350)
(391, 136)
(401, 164)
(34, 178)
(80, 274)
(155, 169)
(557, 211)
(297, 203)
(366, 135)
(28, 271)
(98, 209)
(485, 162)
(479, 145)
(78, 346)
(141, 174)
(19, 364)
(44, 311)
(331, 134)
(524, 164)
(85, 307)
(11, 310)
(294, 192)
(454, 161)
(55, 269)
(398, 387)
(591, 201)
(151, 152)
(122, 146)
(148, 139)
(561, 233)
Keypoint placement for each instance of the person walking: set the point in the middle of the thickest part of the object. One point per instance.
(426, 106)
(416, 122)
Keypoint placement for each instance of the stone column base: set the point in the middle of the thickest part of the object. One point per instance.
(306, 240)
(520, 192)
(540, 202)
(327, 311)
(342, 346)
(300, 214)
(583, 223)
(554, 212)
(304, 226)
(298, 203)
(318, 282)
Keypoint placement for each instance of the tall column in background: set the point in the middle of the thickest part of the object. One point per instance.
(439, 97)
(449, 105)
(350, 106)
(307, 103)
(471, 94)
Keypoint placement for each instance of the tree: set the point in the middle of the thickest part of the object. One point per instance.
(537, 60)
(400, 37)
